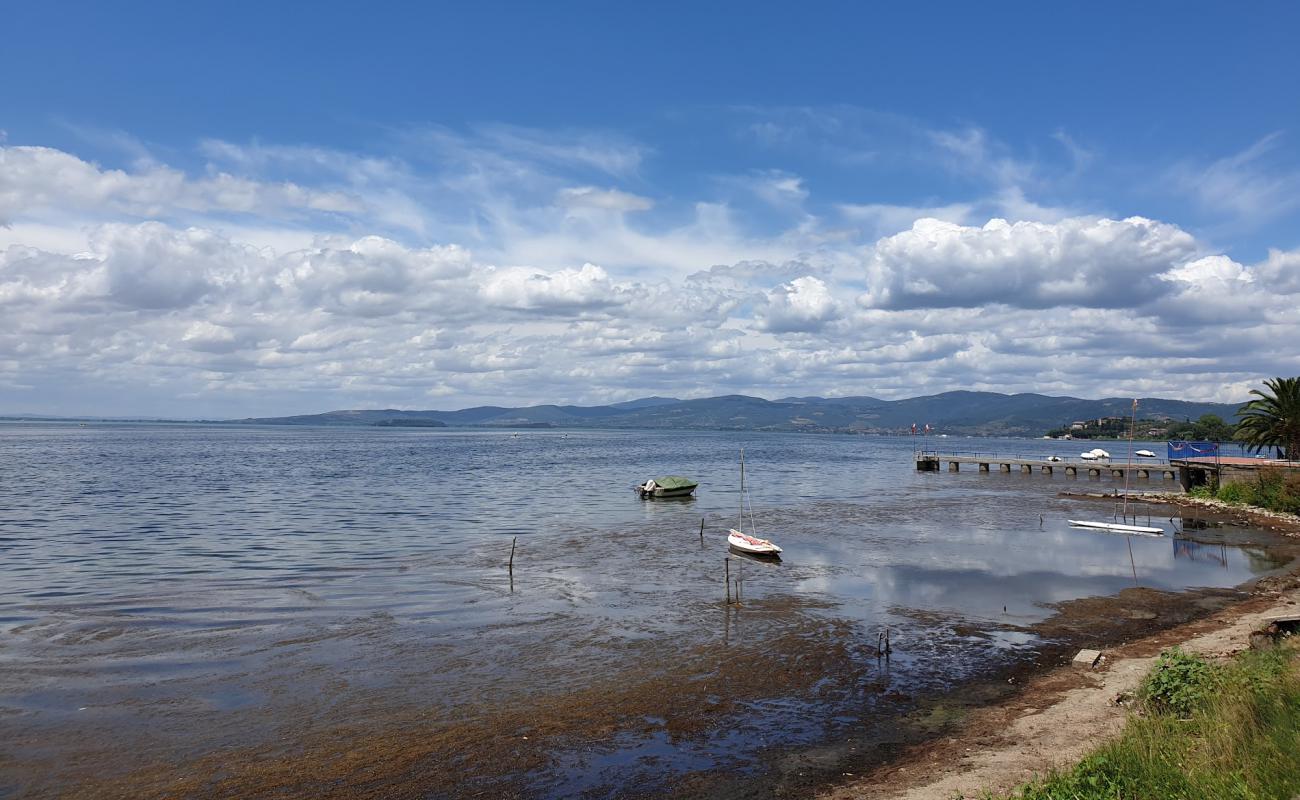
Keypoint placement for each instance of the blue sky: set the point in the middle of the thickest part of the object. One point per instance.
(236, 208)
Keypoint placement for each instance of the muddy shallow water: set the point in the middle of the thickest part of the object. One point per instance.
(206, 610)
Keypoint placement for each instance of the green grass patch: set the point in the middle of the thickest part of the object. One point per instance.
(1273, 489)
(1205, 732)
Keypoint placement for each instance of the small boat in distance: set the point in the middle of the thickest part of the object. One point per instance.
(1094, 454)
(668, 486)
(742, 542)
(1144, 453)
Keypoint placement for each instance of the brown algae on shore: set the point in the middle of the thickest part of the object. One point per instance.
(790, 652)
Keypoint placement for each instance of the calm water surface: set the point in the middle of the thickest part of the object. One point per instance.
(189, 587)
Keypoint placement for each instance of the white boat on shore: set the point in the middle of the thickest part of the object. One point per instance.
(1144, 453)
(1116, 527)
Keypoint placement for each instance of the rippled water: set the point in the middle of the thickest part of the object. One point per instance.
(190, 587)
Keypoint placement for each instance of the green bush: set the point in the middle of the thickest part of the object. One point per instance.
(1274, 489)
(1277, 490)
(1179, 683)
(1236, 493)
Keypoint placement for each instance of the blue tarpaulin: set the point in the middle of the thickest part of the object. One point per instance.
(1193, 450)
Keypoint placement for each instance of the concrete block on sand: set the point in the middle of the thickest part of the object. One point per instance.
(1087, 658)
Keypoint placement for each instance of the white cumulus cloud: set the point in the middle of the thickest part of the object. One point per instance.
(1077, 261)
(560, 291)
(802, 305)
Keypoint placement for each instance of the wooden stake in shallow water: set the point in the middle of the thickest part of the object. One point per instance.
(726, 565)
(511, 565)
(701, 530)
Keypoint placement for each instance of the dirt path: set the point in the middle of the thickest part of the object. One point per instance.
(1061, 716)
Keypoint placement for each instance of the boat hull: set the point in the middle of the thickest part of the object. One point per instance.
(682, 492)
(1115, 527)
(750, 545)
(671, 486)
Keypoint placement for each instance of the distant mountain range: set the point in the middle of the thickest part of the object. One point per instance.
(978, 413)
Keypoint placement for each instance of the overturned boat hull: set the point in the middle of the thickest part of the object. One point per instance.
(1116, 527)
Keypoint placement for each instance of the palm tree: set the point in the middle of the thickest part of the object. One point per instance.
(1273, 419)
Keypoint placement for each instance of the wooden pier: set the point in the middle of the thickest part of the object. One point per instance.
(931, 461)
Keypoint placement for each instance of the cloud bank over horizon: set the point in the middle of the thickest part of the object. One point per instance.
(507, 265)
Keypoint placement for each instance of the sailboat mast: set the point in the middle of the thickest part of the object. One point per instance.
(1128, 470)
(740, 526)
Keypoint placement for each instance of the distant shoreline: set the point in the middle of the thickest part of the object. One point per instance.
(961, 413)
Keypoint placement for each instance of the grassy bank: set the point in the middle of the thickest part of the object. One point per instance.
(1271, 489)
(1203, 731)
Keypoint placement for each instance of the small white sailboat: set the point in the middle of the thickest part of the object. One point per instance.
(742, 542)
(751, 545)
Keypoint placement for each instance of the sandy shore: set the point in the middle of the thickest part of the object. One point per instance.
(1060, 716)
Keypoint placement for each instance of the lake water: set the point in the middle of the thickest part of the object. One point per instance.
(172, 592)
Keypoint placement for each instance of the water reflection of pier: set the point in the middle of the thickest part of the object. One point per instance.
(1201, 551)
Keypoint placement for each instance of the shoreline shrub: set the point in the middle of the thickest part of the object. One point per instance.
(1179, 683)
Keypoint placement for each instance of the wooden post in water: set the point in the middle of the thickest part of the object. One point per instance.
(726, 563)
(701, 530)
(511, 565)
